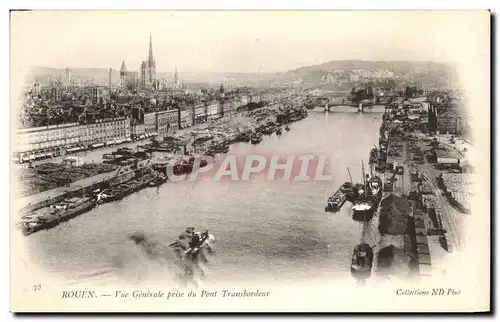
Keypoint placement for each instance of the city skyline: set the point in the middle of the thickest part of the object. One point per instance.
(196, 41)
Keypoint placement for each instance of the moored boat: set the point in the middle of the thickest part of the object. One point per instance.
(375, 184)
(362, 261)
(363, 209)
(122, 190)
(337, 200)
(53, 215)
(367, 198)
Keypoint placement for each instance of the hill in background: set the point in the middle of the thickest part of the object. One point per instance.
(341, 75)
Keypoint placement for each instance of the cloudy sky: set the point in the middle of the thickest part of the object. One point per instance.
(237, 41)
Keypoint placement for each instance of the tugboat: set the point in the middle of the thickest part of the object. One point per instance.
(362, 261)
(365, 205)
(375, 184)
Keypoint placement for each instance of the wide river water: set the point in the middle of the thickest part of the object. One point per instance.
(265, 230)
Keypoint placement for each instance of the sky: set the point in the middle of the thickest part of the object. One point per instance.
(240, 41)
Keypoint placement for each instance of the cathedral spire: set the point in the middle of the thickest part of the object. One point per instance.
(150, 57)
(123, 68)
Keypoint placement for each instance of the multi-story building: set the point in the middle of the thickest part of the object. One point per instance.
(213, 109)
(105, 131)
(150, 124)
(449, 122)
(138, 131)
(124, 77)
(39, 142)
(199, 112)
(166, 122)
(186, 116)
(54, 140)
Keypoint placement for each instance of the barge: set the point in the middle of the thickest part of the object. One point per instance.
(337, 200)
(52, 216)
(121, 191)
(362, 261)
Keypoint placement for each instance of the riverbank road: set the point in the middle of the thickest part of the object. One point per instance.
(452, 219)
(93, 156)
(402, 185)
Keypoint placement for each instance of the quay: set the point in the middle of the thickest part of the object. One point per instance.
(417, 224)
(77, 188)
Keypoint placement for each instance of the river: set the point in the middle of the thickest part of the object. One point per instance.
(265, 230)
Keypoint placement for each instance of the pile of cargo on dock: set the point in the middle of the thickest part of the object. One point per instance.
(52, 175)
(457, 188)
(395, 215)
(126, 157)
(396, 262)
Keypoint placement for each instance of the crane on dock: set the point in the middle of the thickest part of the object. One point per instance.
(107, 183)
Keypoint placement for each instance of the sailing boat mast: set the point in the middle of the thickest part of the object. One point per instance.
(350, 177)
(364, 178)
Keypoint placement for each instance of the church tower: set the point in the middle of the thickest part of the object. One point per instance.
(123, 76)
(176, 78)
(151, 64)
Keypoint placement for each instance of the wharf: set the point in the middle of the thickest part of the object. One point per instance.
(400, 251)
(48, 197)
(434, 226)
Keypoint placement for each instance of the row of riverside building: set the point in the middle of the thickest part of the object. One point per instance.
(37, 143)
